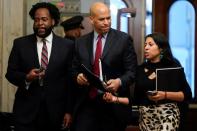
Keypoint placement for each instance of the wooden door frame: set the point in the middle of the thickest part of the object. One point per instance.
(136, 28)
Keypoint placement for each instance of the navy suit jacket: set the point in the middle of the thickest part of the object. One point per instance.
(23, 58)
(118, 60)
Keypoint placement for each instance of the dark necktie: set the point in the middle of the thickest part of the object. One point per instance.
(93, 92)
(44, 55)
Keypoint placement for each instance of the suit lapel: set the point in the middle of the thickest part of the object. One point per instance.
(33, 45)
(108, 43)
(89, 45)
(54, 51)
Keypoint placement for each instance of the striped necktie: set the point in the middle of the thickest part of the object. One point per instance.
(44, 55)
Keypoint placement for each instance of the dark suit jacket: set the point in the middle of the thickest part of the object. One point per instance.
(22, 59)
(118, 60)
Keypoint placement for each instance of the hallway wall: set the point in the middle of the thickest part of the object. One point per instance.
(13, 23)
(11, 26)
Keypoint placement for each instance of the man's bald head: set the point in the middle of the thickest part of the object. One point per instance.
(100, 17)
(97, 8)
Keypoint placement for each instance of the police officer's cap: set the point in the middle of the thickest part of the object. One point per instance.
(72, 23)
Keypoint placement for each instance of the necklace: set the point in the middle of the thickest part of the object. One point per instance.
(151, 75)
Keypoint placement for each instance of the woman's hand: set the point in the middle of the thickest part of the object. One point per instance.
(160, 95)
(108, 97)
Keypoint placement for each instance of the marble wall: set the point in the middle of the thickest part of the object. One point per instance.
(11, 19)
(13, 24)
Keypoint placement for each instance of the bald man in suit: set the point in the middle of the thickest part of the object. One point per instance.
(119, 64)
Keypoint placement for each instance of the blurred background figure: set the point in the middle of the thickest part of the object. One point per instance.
(72, 27)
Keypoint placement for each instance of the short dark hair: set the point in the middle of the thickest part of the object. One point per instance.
(53, 10)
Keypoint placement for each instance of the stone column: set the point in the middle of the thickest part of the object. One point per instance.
(11, 26)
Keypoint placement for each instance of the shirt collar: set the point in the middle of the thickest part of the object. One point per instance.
(96, 35)
(48, 38)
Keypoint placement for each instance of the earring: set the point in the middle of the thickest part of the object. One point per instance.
(161, 55)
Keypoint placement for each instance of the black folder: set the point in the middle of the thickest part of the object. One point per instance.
(93, 79)
(169, 79)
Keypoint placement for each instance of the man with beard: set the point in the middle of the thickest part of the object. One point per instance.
(39, 66)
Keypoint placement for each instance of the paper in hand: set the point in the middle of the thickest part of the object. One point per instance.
(93, 79)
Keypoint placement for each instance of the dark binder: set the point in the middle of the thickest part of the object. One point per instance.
(169, 79)
(93, 79)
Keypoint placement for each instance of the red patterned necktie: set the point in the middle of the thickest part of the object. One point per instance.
(44, 55)
(93, 92)
(98, 54)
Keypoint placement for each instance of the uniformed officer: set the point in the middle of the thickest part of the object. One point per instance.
(72, 27)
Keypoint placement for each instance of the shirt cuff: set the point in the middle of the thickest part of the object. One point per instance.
(27, 85)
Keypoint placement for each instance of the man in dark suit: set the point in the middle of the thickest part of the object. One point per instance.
(40, 70)
(119, 62)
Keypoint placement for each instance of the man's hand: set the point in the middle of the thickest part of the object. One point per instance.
(113, 85)
(82, 80)
(33, 74)
(67, 120)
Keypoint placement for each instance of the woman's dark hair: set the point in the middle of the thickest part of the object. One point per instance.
(162, 42)
(53, 10)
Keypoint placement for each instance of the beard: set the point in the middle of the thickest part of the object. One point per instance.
(43, 32)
